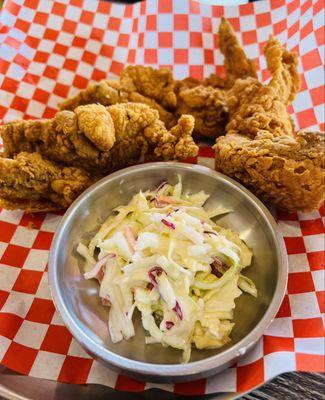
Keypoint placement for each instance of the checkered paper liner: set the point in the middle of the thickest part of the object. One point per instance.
(51, 49)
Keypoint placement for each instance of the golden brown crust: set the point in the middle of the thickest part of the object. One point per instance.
(284, 68)
(99, 139)
(237, 64)
(96, 138)
(260, 148)
(285, 171)
(167, 117)
(141, 134)
(129, 124)
(97, 125)
(32, 183)
(138, 84)
(207, 105)
(178, 144)
(74, 138)
(204, 100)
(105, 92)
(156, 84)
(254, 107)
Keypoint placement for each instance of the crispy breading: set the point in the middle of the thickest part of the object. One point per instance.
(167, 117)
(141, 116)
(253, 106)
(237, 65)
(285, 171)
(98, 139)
(207, 105)
(156, 84)
(80, 138)
(34, 184)
(204, 100)
(141, 134)
(283, 66)
(260, 148)
(105, 92)
(137, 84)
(97, 125)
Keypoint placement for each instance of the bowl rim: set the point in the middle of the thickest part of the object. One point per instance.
(195, 367)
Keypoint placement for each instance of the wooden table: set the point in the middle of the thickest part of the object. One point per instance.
(293, 385)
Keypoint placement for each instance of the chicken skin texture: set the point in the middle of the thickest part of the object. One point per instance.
(260, 148)
(204, 100)
(253, 106)
(137, 84)
(285, 171)
(99, 138)
(46, 164)
(207, 105)
(237, 65)
(81, 138)
(147, 115)
(34, 184)
(141, 134)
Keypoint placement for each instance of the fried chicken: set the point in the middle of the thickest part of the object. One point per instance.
(47, 163)
(141, 134)
(156, 84)
(237, 65)
(253, 106)
(80, 138)
(101, 139)
(260, 148)
(285, 171)
(146, 114)
(206, 100)
(34, 184)
(137, 84)
(208, 107)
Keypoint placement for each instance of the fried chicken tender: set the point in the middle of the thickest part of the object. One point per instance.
(253, 106)
(91, 138)
(206, 100)
(167, 117)
(156, 84)
(31, 183)
(260, 148)
(104, 92)
(137, 84)
(208, 107)
(81, 138)
(141, 134)
(99, 138)
(237, 65)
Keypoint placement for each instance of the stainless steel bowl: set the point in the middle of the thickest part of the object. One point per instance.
(77, 299)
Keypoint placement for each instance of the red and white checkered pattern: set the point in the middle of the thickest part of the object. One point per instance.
(51, 49)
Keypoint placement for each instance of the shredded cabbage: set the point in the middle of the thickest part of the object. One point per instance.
(163, 255)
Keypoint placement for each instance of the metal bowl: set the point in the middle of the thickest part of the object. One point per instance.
(77, 299)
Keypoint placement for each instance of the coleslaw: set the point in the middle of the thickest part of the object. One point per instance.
(163, 255)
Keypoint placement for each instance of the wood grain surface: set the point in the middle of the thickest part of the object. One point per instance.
(291, 386)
